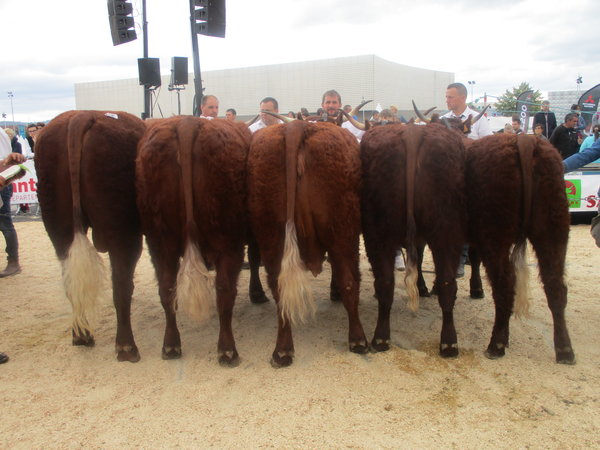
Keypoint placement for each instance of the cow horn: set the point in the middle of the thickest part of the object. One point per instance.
(353, 121)
(285, 119)
(429, 110)
(355, 111)
(480, 115)
(419, 114)
(250, 122)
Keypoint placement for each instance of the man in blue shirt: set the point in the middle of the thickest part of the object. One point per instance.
(580, 159)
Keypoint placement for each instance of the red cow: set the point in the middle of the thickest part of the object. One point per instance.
(303, 196)
(85, 162)
(191, 182)
(414, 193)
(516, 191)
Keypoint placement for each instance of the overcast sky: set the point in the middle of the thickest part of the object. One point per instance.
(48, 46)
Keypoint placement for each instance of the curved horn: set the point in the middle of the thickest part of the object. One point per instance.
(285, 119)
(447, 123)
(429, 110)
(419, 113)
(355, 111)
(353, 121)
(250, 122)
(480, 115)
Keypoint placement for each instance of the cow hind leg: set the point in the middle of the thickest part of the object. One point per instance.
(347, 280)
(502, 278)
(421, 284)
(228, 270)
(257, 293)
(382, 261)
(551, 260)
(475, 285)
(446, 264)
(283, 355)
(123, 260)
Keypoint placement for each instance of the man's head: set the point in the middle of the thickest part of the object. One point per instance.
(538, 130)
(347, 109)
(516, 123)
(209, 106)
(456, 98)
(571, 120)
(271, 105)
(231, 114)
(545, 105)
(331, 102)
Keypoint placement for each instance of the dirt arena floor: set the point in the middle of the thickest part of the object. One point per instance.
(54, 395)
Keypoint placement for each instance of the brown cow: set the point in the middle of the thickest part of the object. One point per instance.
(516, 192)
(413, 193)
(191, 182)
(303, 196)
(85, 162)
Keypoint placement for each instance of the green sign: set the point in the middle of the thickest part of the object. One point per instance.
(573, 189)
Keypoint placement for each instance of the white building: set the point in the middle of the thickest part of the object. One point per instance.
(294, 85)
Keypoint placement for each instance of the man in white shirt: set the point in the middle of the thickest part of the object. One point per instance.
(266, 104)
(209, 106)
(456, 100)
(332, 102)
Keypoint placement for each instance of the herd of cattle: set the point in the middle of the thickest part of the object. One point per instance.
(297, 193)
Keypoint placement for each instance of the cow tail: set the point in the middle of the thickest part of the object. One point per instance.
(411, 139)
(194, 288)
(83, 271)
(525, 145)
(295, 296)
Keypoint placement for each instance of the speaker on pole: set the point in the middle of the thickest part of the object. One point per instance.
(120, 18)
(179, 70)
(149, 71)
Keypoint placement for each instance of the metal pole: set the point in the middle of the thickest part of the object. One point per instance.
(147, 94)
(11, 95)
(197, 76)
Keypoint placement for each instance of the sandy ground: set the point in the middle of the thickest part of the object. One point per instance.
(54, 395)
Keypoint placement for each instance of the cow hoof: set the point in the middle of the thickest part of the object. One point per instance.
(424, 292)
(477, 294)
(495, 351)
(171, 352)
(449, 350)
(87, 340)
(380, 345)
(258, 297)
(229, 358)
(127, 353)
(565, 356)
(282, 359)
(360, 347)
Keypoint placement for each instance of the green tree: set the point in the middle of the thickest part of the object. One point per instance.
(507, 102)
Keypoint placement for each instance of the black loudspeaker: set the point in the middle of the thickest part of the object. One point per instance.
(121, 21)
(179, 70)
(149, 70)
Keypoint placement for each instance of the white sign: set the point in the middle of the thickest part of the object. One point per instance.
(25, 188)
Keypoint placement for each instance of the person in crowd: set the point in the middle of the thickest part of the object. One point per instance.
(516, 125)
(546, 118)
(375, 117)
(386, 116)
(399, 117)
(331, 102)
(348, 109)
(304, 112)
(6, 223)
(589, 141)
(456, 100)
(209, 106)
(564, 137)
(291, 114)
(14, 141)
(538, 130)
(12, 158)
(581, 159)
(266, 104)
(575, 108)
(231, 114)
(508, 128)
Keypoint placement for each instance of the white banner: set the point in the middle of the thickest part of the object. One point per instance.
(25, 189)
